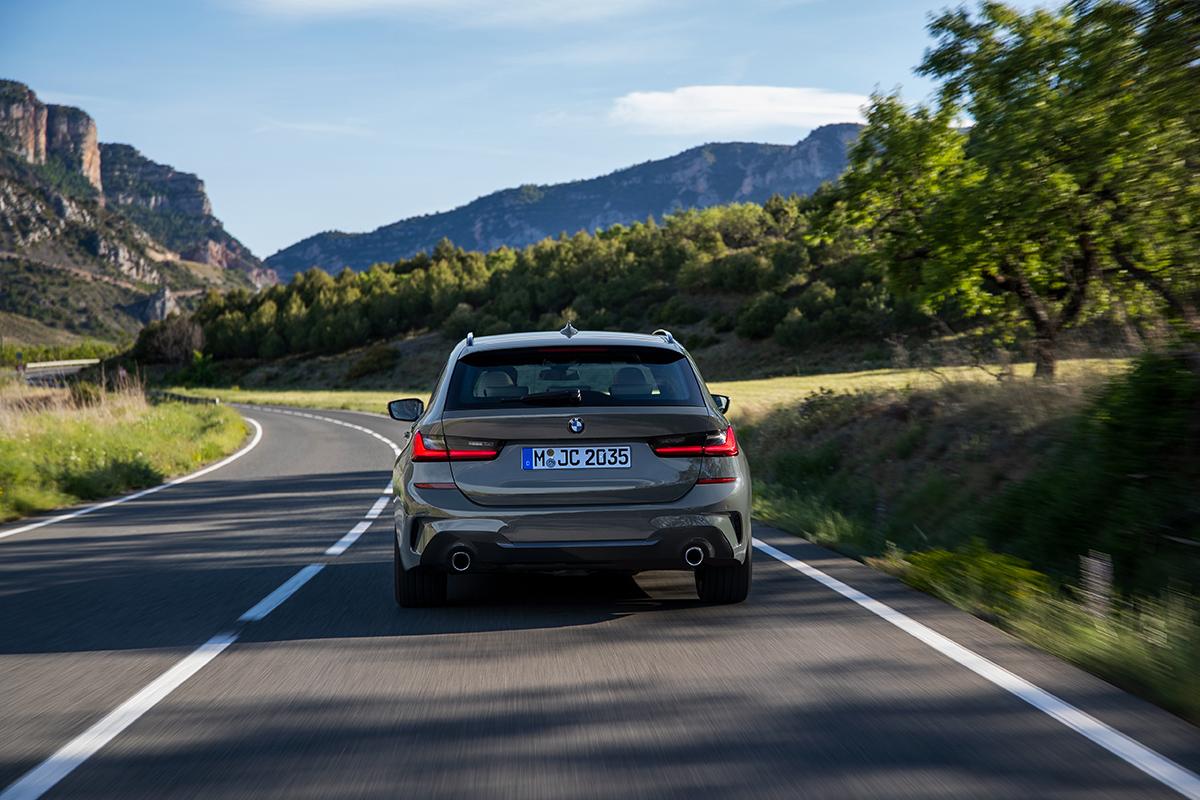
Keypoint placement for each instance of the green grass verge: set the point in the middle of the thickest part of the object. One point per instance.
(54, 455)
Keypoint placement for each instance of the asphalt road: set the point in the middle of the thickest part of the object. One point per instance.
(523, 687)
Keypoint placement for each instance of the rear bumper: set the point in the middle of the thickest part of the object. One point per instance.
(663, 549)
(716, 519)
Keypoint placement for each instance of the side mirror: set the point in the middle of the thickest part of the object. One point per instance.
(407, 410)
(722, 402)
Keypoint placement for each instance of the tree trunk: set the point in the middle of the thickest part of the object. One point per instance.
(1045, 344)
(1045, 357)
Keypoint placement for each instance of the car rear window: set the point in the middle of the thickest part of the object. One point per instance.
(549, 377)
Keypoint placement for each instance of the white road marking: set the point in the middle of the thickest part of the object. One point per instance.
(378, 508)
(283, 592)
(41, 778)
(343, 544)
(1157, 766)
(258, 432)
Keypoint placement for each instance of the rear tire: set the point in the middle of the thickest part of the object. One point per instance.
(725, 585)
(417, 588)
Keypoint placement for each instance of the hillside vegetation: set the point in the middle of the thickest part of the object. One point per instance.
(743, 270)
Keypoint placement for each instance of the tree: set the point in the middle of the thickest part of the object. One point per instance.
(172, 340)
(1075, 187)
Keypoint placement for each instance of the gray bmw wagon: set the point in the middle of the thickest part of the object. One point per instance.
(570, 451)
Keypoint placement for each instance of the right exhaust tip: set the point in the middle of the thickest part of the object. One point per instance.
(694, 556)
(460, 561)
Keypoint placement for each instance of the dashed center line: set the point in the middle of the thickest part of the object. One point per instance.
(282, 592)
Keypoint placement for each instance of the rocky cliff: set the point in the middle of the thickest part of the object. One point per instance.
(173, 207)
(70, 260)
(702, 176)
(42, 133)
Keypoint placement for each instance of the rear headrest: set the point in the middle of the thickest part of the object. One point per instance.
(494, 379)
(630, 376)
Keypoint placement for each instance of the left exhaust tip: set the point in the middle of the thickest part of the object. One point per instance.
(694, 556)
(460, 561)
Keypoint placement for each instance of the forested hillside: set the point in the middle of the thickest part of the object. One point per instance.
(747, 270)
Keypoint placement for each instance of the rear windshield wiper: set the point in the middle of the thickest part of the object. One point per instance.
(572, 396)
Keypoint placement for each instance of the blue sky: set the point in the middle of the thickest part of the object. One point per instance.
(310, 115)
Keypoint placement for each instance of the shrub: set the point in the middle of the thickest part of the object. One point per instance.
(678, 311)
(85, 394)
(169, 341)
(377, 358)
(795, 331)
(758, 318)
(721, 322)
(991, 585)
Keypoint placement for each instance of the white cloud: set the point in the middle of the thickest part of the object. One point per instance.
(465, 12)
(734, 110)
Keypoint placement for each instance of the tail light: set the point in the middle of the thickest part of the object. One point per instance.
(717, 443)
(433, 448)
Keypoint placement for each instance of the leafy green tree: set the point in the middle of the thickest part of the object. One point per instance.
(1074, 189)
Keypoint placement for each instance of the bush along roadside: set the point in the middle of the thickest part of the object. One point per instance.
(1066, 514)
(63, 446)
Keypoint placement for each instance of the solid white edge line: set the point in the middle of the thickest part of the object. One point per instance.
(258, 434)
(281, 593)
(41, 778)
(1154, 764)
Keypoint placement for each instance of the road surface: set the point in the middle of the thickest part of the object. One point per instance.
(234, 635)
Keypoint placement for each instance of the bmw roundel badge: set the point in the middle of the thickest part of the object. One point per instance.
(575, 424)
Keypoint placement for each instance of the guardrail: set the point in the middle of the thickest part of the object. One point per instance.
(175, 397)
(71, 362)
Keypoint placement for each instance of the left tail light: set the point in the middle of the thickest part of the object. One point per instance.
(433, 448)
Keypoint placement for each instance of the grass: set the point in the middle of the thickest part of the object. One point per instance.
(59, 447)
(752, 398)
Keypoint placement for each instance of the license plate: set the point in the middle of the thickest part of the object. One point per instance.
(599, 457)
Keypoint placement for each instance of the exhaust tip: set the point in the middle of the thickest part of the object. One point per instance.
(694, 556)
(460, 561)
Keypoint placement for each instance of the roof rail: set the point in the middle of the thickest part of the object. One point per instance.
(666, 334)
(470, 338)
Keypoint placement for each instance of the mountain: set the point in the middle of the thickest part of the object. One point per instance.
(95, 239)
(709, 175)
(173, 207)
